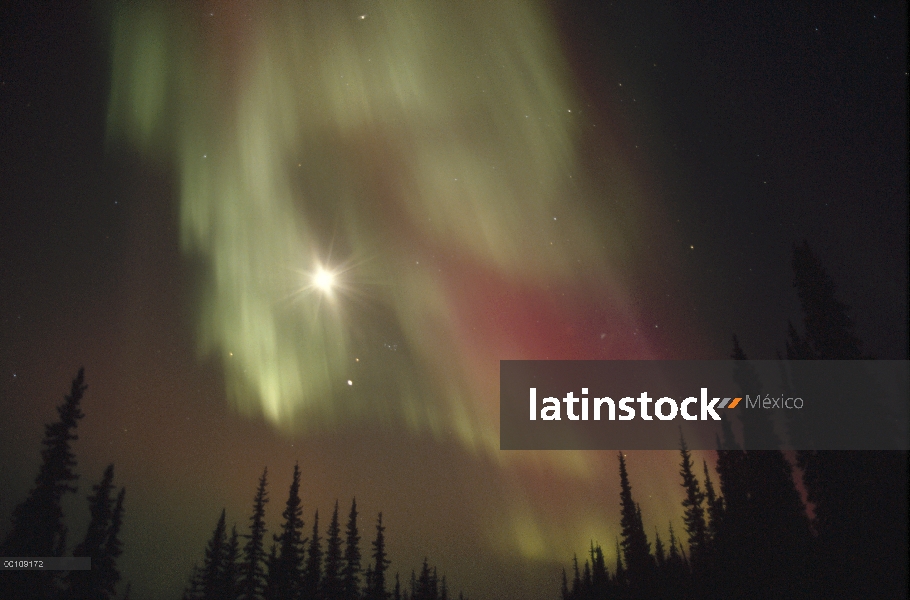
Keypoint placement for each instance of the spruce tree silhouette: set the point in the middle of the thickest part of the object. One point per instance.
(758, 428)
(860, 498)
(714, 505)
(677, 573)
(368, 579)
(619, 574)
(37, 523)
(693, 507)
(271, 563)
(312, 576)
(193, 589)
(229, 583)
(599, 574)
(252, 569)
(377, 587)
(639, 564)
(211, 574)
(776, 536)
(351, 571)
(576, 578)
(101, 544)
(285, 576)
(426, 583)
(114, 544)
(332, 585)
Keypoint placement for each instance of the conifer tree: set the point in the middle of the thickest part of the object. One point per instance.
(351, 571)
(828, 325)
(228, 586)
(100, 545)
(193, 589)
(425, 583)
(775, 525)
(620, 573)
(270, 592)
(860, 498)
(114, 545)
(332, 585)
(758, 428)
(673, 555)
(732, 472)
(564, 591)
(586, 579)
(693, 509)
(396, 593)
(252, 568)
(377, 589)
(635, 546)
(714, 505)
(576, 579)
(38, 528)
(313, 572)
(212, 573)
(368, 581)
(37, 523)
(599, 575)
(659, 554)
(285, 578)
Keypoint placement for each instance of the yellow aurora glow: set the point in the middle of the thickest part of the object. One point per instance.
(407, 143)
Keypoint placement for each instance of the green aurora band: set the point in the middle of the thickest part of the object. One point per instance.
(418, 150)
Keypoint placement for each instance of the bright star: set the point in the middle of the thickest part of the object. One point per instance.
(324, 280)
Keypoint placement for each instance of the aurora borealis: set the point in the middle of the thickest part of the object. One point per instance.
(424, 151)
(485, 181)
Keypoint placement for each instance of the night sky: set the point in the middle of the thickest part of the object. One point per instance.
(299, 233)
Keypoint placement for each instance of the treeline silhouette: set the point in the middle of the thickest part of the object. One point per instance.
(754, 537)
(299, 568)
(295, 568)
(38, 529)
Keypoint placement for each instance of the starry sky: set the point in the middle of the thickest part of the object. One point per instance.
(299, 233)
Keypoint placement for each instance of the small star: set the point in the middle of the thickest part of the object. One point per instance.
(362, 17)
(691, 247)
(350, 382)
